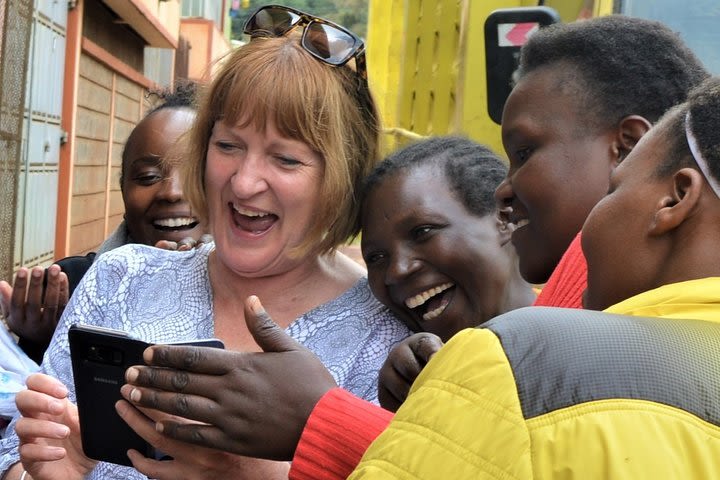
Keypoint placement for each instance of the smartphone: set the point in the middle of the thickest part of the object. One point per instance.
(100, 357)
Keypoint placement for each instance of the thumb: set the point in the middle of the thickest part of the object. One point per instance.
(166, 245)
(425, 346)
(268, 335)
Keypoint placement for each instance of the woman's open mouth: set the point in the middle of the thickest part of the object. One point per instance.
(253, 221)
(432, 302)
(509, 223)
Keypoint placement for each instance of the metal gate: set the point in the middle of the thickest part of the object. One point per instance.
(15, 26)
(38, 175)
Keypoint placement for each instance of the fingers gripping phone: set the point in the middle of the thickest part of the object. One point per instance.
(100, 357)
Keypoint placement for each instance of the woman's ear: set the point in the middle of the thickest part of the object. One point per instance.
(628, 134)
(685, 191)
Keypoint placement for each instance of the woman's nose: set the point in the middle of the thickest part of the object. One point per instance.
(171, 190)
(402, 265)
(250, 178)
(504, 193)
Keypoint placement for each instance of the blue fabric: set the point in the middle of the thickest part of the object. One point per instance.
(15, 367)
(163, 296)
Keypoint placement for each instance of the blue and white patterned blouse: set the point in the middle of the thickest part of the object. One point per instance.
(162, 296)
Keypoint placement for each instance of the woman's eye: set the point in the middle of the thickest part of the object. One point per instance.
(523, 154)
(288, 161)
(148, 178)
(421, 232)
(373, 258)
(225, 146)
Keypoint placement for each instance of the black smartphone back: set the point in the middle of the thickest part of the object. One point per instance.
(99, 360)
(100, 357)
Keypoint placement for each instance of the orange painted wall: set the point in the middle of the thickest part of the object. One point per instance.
(207, 45)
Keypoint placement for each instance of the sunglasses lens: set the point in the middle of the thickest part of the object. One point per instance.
(331, 44)
(271, 21)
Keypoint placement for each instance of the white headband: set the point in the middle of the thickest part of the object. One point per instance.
(697, 155)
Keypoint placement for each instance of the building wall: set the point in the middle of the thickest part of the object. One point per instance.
(100, 25)
(207, 45)
(103, 100)
(166, 11)
(107, 111)
(220, 47)
(197, 33)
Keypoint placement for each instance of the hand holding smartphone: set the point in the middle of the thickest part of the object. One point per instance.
(100, 357)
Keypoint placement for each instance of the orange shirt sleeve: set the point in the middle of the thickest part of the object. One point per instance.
(339, 430)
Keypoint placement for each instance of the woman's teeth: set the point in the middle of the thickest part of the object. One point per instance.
(507, 226)
(435, 313)
(419, 299)
(250, 213)
(175, 222)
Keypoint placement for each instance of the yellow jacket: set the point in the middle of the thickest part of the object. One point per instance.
(545, 393)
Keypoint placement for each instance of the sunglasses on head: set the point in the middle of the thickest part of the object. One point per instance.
(327, 41)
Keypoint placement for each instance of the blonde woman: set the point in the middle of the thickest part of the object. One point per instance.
(282, 140)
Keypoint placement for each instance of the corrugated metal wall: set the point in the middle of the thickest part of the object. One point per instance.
(426, 60)
(413, 58)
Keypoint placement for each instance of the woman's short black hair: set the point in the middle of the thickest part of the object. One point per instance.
(703, 106)
(473, 171)
(623, 65)
(182, 96)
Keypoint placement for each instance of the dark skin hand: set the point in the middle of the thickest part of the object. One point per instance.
(404, 363)
(31, 315)
(185, 244)
(252, 404)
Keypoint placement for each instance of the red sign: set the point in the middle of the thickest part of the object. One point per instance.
(515, 34)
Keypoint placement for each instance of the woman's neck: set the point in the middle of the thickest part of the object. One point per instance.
(285, 296)
(518, 292)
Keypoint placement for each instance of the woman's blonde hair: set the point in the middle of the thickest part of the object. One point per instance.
(328, 108)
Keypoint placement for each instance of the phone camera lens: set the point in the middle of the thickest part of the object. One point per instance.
(101, 354)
